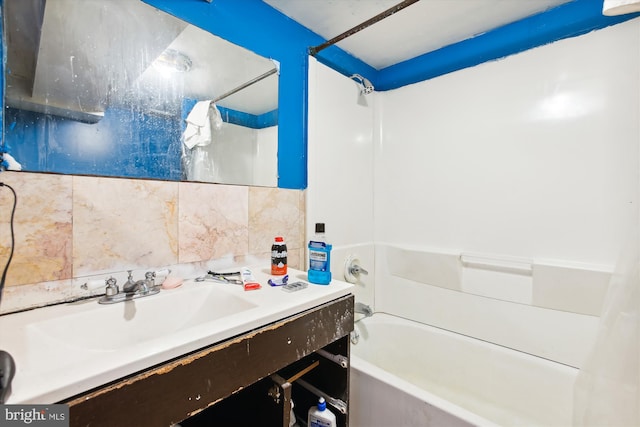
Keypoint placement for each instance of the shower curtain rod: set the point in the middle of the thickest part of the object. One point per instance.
(379, 17)
(244, 85)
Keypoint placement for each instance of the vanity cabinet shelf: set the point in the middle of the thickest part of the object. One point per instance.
(247, 380)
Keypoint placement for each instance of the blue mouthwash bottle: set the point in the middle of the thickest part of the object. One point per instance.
(319, 258)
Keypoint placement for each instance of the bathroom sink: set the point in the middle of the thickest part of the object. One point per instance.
(116, 326)
(66, 349)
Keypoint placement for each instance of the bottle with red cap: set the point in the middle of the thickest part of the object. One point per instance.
(279, 257)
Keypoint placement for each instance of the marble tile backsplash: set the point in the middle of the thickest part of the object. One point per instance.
(121, 224)
(69, 229)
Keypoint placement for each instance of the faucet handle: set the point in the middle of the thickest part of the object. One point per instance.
(353, 270)
(356, 269)
(150, 277)
(112, 288)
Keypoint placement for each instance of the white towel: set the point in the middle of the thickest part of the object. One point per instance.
(201, 119)
(10, 163)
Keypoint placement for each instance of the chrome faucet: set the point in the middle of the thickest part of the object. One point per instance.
(130, 290)
(132, 287)
(363, 309)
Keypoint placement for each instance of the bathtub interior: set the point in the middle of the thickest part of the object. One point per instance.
(505, 386)
(507, 336)
(380, 399)
(475, 296)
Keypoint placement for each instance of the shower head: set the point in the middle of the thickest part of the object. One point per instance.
(367, 87)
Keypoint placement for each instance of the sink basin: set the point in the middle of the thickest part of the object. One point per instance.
(66, 349)
(116, 326)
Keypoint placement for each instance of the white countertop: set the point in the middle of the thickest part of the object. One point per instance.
(67, 349)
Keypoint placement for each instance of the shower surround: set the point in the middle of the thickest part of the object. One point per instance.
(530, 160)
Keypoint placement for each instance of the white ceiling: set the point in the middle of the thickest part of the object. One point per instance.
(419, 28)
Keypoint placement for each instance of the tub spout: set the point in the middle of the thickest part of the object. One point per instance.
(363, 309)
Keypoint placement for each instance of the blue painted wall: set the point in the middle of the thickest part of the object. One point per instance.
(260, 28)
(256, 26)
(123, 143)
(118, 145)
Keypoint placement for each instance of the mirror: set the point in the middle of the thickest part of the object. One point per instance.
(123, 89)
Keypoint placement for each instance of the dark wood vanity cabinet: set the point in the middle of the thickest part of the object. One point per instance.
(248, 380)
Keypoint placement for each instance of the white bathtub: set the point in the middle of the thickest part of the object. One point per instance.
(405, 373)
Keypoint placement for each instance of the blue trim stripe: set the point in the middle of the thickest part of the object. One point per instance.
(339, 60)
(567, 20)
(249, 120)
(267, 119)
(236, 117)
